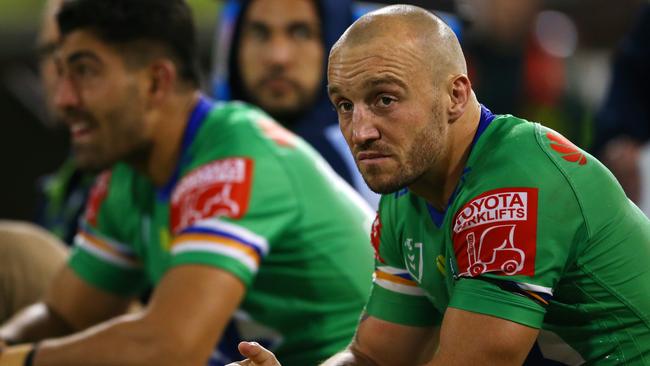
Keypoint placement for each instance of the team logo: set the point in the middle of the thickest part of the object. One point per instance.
(497, 232)
(566, 149)
(221, 188)
(96, 196)
(375, 237)
(413, 254)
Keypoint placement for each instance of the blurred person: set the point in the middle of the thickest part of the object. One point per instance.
(272, 53)
(62, 194)
(29, 255)
(241, 227)
(623, 123)
(512, 68)
(498, 241)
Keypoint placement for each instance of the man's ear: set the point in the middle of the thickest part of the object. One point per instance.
(460, 90)
(163, 78)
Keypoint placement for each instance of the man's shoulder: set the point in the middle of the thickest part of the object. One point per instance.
(240, 129)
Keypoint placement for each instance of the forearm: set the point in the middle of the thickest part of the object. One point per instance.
(125, 340)
(349, 357)
(36, 322)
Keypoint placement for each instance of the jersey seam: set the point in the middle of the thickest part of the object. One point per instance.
(295, 202)
(595, 301)
(622, 300)
(566, 177)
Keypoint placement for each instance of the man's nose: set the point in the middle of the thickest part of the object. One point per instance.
(280, 50)
(364, 129)
(65, 93)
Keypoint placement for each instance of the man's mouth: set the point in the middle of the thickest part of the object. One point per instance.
(79, 131)
(371, 157)
(278, 85)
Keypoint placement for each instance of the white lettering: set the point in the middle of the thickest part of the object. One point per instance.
(497, 207)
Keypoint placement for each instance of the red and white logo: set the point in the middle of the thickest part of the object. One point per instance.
(375, 237)
(96, 196)
(566, 148)
(220, 188)
(497, 232)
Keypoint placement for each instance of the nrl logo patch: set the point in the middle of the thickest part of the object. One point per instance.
(413, 259)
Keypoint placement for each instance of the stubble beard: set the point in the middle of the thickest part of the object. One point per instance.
(424, 153)
(121, 138)
(285, 114)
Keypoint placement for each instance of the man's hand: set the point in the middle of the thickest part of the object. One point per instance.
(256, 355)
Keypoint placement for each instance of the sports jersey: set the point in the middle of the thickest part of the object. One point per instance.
(537, 232)
(250, 198)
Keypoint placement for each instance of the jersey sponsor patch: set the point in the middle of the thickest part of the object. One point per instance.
(220, 188)
(566, 148)
(375, 237)
(497, 232)
(96, 196)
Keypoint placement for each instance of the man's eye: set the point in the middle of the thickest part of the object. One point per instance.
(81, 70)
(385, 101)
(344, 107)
(257, 33)
(301, 32)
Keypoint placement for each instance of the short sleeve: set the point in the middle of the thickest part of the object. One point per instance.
(98, 257)
(224, 215)
(395, 295)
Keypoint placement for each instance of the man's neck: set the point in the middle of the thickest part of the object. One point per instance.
(438, 186)
(170, 122)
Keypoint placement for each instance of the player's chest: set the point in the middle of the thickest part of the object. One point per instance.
(426, 257)
(153, 237)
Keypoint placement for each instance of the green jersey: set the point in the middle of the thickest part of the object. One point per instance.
(537, 232)
(250, 198)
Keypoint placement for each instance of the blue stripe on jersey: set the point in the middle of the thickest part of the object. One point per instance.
(197, 117)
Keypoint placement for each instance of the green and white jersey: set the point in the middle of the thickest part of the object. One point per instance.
(539, 233)
(250, 198)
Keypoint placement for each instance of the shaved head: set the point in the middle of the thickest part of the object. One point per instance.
(398, 81)
(427, 35)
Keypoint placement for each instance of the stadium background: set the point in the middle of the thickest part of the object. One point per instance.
(562, 86)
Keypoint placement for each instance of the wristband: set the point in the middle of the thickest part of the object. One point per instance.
(17, 355)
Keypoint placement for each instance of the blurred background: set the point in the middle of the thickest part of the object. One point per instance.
(544, 60)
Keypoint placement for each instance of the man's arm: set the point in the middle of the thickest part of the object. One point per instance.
(185, 318)
(466, 338)
(377, 343)
(70, 305)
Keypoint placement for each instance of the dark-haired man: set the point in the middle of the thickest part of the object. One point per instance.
(273, 54)
(498, 241)
(240, 226)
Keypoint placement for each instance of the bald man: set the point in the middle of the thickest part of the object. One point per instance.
(497, 240)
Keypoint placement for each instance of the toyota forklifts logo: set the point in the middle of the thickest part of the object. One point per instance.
(497, 232)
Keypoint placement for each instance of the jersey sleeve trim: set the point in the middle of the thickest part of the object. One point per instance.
(219, 237)
(487, 298)
(396, 280)
(106, 249)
